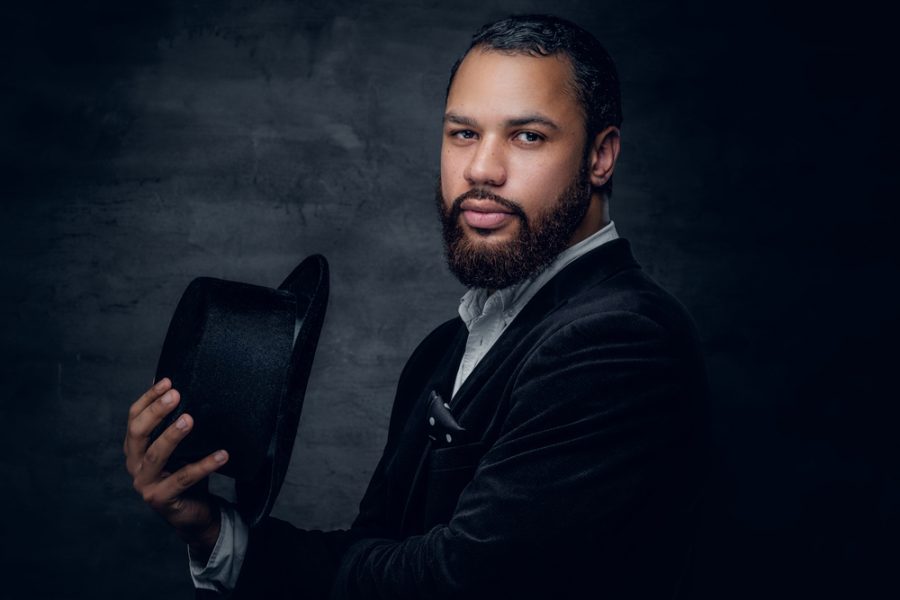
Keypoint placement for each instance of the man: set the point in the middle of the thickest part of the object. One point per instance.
(572, 383)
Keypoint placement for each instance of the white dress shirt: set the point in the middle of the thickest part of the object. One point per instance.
(220, 572)
(486, 316)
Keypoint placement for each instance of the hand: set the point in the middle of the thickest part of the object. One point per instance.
(188, 507)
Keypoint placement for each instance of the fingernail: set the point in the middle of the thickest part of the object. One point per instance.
(168, 398)
(162, 383)
(181, 423)
(220, 456)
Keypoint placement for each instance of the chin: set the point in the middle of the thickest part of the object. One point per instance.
(487, 236)
(490, 236)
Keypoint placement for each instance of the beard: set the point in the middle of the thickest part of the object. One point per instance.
(536, 244)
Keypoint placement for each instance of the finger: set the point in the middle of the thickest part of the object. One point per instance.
(188, 475)
(140, 427)
(158, 453)
(143, 402)
(149, 396)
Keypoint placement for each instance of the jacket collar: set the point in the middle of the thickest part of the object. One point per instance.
(478, 302)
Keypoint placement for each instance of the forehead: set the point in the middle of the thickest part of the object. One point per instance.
(492, 83)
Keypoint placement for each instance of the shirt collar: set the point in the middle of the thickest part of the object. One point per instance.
(476, 303)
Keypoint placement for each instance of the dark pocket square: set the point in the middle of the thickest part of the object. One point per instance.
(442, 426)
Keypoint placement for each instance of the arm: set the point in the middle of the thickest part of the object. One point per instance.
(595, 448)
(598, 427)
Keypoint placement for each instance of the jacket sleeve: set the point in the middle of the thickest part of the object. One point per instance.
(599, 429)
(283, 561)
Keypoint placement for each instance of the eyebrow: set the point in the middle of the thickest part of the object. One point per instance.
(451, 117)
(532, 119)
(459, 120)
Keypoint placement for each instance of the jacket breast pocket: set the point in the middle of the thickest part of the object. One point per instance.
(450, 469)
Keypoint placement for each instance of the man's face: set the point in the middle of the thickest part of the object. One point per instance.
(514, 186)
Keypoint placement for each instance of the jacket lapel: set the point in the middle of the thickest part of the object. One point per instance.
(586, 271)
(416, 440)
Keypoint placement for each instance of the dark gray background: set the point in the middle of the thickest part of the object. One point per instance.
(147, 143)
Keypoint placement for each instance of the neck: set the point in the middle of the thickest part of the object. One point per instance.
(595, 219)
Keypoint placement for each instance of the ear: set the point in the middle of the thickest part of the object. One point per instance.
(603, 154)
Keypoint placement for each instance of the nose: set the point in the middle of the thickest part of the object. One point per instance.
(487, 164)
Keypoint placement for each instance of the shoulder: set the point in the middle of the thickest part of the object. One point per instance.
(625, 333)
(606, 287)
(627, 306)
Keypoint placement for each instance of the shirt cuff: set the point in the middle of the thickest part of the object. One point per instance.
(220, 573)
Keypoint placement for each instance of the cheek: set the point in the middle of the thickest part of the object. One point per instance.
(539, 182)
(452, 177)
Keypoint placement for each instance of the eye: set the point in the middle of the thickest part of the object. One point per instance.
(463, 134)
(529, 137)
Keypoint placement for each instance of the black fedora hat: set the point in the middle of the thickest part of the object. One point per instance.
(240, 356)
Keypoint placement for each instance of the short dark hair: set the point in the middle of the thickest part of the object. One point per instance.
(596, 82)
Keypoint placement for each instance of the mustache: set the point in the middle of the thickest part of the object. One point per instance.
(481, 194)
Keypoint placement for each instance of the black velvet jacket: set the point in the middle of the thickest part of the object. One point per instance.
(577, 475)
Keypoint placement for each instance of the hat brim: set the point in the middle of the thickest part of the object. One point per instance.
(309, 284)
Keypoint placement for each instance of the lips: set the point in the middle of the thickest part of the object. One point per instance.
(485, 214)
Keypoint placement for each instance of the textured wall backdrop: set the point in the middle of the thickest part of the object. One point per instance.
(144, 144)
